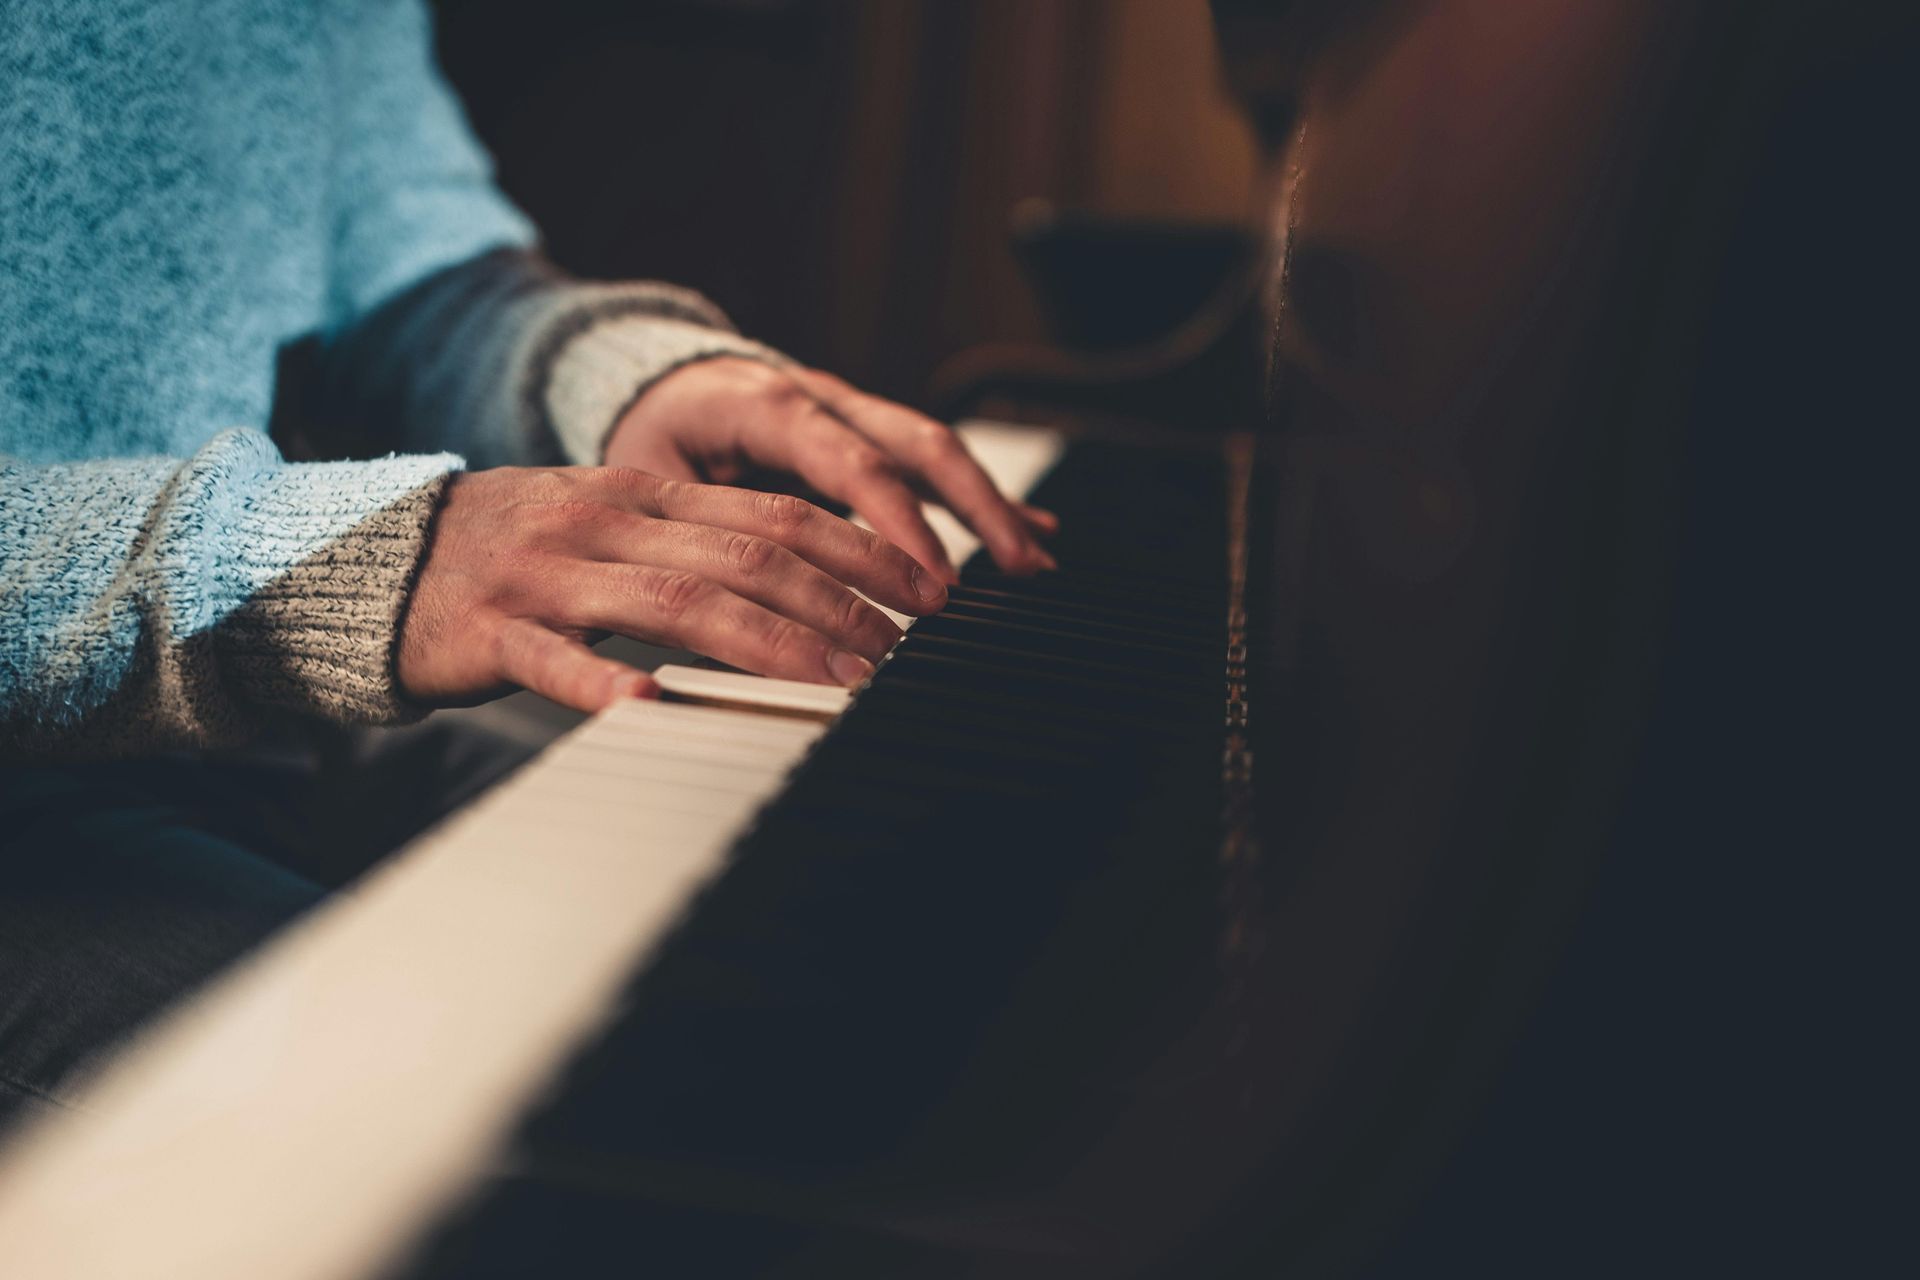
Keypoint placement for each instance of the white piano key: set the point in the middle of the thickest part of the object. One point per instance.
(614, 761)
(635, 752)
(666, 717)
(734, 689)
(582, 788)
(740, 735)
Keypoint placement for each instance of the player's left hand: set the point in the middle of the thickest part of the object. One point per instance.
(714, 420)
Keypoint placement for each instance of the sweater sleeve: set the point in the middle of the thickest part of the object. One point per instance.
(507, 361)
(155, 603)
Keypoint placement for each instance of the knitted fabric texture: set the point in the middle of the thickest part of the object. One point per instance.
(185, 189)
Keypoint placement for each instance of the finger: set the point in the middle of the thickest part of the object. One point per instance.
(563, 669)
(857, 557)
(675, 607)
(805, 437)
(1042, 522)
(756, 568)
(957, 480)
(658, 456)
(841, 463)
(935, 456)
(1041, 519)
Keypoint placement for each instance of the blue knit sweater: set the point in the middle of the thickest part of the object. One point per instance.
(187, 186)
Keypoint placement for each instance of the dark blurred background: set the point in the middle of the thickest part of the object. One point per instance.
(844, 176)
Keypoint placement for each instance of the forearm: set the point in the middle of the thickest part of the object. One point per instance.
(154, 603)
(508, 361)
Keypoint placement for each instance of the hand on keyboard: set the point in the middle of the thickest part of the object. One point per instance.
(712, 420)
(527, 564)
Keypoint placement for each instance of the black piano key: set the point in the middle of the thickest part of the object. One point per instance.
(1027, 659)
(934, 688)
(1200, 638)
(1056, 636)
(1168, 597)
(1069, 693)
(906, 712)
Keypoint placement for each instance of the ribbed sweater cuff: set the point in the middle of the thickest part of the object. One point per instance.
(318, 631)
(601, 370)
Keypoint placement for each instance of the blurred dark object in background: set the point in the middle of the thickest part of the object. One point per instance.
(841, 175)
(1107, 282)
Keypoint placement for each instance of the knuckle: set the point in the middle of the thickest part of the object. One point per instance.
(633, 483)
(571, 514)
(675, 594)
(935, 440)
(548, 484)
(785, 392)
(786, 642)
(851, 613)
(750, 555)
(783, 512)
(627, 477)
(667, 499)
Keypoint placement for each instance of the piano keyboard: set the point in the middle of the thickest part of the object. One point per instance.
(319, 1108)
(916, 988)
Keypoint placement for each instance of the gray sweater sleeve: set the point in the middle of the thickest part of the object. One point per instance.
(155, 603)
(508, 361)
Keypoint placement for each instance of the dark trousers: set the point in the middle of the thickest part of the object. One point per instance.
(125, 886)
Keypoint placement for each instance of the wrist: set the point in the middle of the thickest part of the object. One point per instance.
(601, 373)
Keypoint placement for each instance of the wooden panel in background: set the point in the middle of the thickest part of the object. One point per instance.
(840, 174)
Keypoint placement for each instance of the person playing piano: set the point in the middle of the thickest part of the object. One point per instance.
(184, 191)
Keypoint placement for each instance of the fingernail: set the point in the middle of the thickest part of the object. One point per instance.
(925, 586)
(1044, 559)
(848, 668)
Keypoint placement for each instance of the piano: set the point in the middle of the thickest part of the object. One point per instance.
(761, 972)
(1188, 911)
